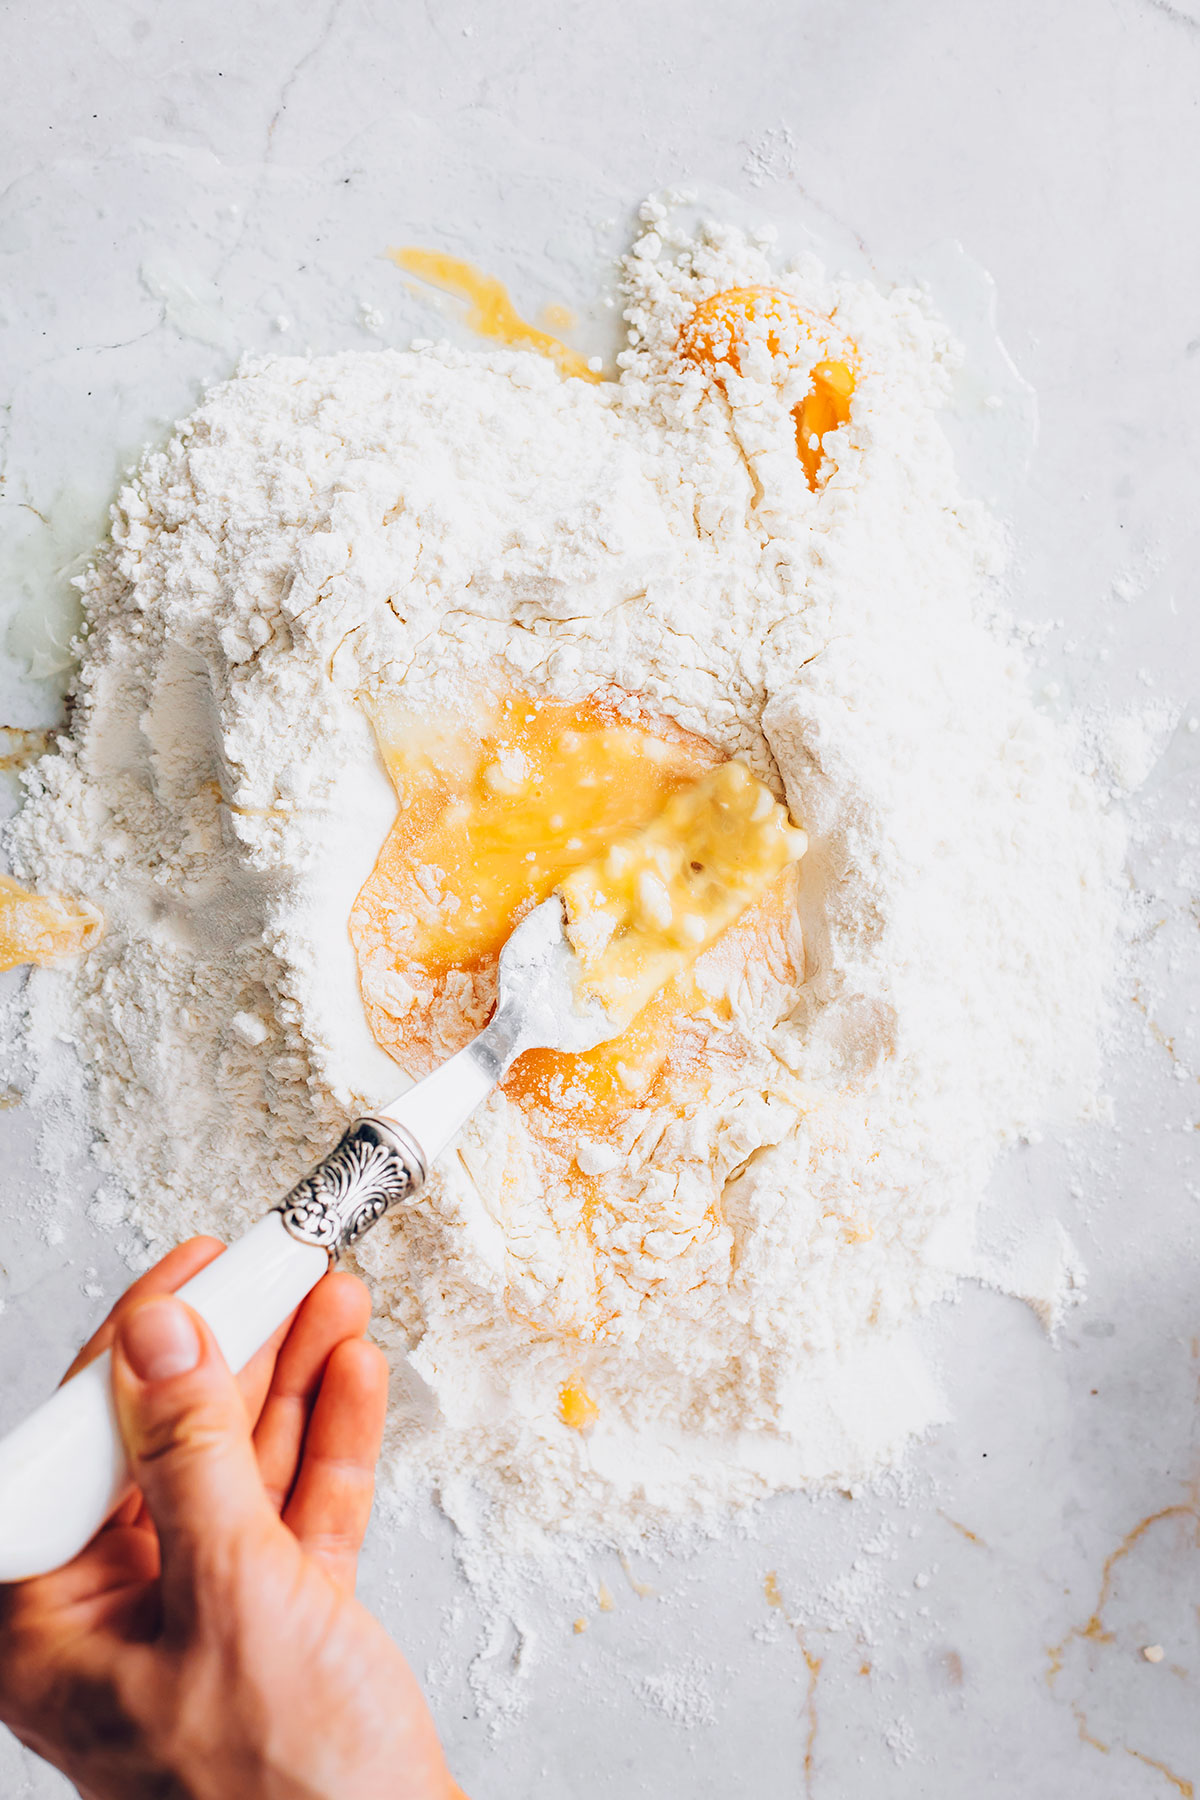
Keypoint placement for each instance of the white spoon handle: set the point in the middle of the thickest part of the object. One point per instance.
(63, 1470)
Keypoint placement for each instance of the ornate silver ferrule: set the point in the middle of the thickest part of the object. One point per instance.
(375, 1165)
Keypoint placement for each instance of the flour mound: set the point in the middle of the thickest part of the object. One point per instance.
(329, 532)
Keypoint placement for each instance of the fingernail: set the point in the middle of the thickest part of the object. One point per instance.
(160, 1340)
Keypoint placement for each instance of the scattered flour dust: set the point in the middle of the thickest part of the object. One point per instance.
(437, 526)
(682, 1693)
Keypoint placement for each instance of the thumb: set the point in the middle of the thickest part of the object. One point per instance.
(189, 1446)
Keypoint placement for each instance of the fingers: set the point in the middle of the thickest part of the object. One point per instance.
(256, 1377)
(331, 1501)
(102, 1589)
(119, 1559)
(178, 1266)
(188, 1441)
(339, 1307)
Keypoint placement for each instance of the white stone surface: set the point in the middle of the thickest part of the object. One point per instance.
(182, 181)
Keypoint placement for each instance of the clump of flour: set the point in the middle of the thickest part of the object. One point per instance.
(328, 533)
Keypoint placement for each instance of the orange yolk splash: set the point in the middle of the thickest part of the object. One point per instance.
(492, 818)
(41, 928)
(576, 1408)
(723, 325)
(492, 313)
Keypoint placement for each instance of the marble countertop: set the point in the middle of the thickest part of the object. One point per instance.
(183, 182)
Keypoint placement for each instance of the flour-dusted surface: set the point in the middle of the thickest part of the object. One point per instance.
(329, 532)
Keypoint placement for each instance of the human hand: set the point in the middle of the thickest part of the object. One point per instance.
(207, 1644)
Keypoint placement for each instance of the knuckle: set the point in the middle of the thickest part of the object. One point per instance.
(181, 1431)
(334, 1545)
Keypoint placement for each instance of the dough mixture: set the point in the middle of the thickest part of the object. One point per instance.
(383, 647)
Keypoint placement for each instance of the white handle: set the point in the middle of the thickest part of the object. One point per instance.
(63, 1470)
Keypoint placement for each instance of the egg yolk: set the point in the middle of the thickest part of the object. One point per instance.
(655, 898)
(721, 329)
(576, 1408)
(493, 814)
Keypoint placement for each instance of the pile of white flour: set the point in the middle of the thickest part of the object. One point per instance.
(329, 532)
